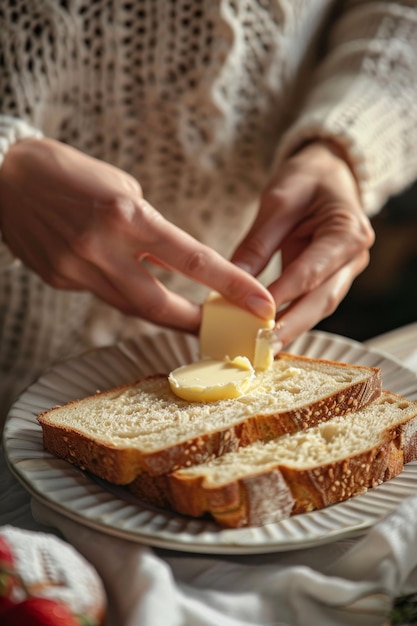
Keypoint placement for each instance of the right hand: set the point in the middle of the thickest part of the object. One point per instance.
(82, 224)
(312, 212)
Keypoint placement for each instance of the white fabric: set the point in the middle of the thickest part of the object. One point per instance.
(344, 583)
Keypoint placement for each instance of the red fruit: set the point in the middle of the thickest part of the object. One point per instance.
(6, 555)
(7, 583)
(5, 604)
(7, 573)
(39, 612)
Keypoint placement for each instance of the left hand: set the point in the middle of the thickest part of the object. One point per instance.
(311, 211)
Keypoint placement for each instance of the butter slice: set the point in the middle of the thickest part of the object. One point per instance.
(227, 331)
(211, 380)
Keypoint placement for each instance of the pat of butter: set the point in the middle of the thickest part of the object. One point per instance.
(211, 380)
(229, 331)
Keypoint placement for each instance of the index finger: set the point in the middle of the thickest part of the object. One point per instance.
(181, 252)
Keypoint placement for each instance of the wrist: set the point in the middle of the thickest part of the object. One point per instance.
(327, 151)
(327, 146)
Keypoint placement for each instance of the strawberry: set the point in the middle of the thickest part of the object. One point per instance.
(6, 555)
(5, 604)
(39, 612)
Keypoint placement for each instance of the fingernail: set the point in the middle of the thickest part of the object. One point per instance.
(260, 307)
(245, 267)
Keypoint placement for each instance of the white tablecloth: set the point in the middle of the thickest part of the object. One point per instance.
(351, 582)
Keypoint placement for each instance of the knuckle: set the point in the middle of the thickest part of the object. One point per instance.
(83, 246)
(155, 310)
(362, 237)
(147, 212)
(148, 221)
(273, 197)
(255, 248)
(196, 263)
(233, 289)
(340, 169)
(331, 303)
(133, 185)
(368, 234)
(119, 211)
(310, 276)
(357, 231)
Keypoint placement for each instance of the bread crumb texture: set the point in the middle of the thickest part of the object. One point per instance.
(148, 416)
(322, 445)
(297, 473)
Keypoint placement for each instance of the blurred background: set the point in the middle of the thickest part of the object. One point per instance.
(384, 297)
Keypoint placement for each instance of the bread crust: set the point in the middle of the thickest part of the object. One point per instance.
(122, 465)
(282, 491)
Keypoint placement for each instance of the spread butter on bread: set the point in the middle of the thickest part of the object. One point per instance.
(144, 427)
(241, 435)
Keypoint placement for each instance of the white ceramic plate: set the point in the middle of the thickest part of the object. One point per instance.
(94, 503)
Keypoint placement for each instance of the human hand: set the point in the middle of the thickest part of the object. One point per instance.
(311, 211)
(82, 224)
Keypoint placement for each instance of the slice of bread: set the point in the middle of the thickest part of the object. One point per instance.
(144, 427)
(295, 473)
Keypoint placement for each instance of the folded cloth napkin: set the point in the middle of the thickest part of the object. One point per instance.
(344, 583)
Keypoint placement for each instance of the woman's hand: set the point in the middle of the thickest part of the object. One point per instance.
(82, 224)
(311, 211)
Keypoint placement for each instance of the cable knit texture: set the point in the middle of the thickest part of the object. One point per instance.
(198, 100)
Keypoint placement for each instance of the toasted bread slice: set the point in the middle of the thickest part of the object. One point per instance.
(295, 473)
(144, 427)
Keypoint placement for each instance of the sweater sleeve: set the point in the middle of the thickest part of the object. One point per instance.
(363, 97)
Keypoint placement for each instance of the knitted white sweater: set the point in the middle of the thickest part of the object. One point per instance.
(197, 99)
